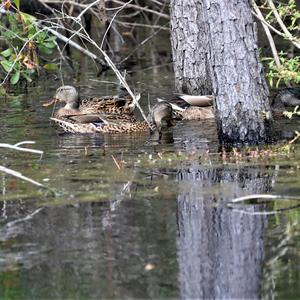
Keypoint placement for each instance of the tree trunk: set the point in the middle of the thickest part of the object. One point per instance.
(238, 78)
(220, 36)
(190, 47)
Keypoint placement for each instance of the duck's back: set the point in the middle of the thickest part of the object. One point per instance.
(106, 104)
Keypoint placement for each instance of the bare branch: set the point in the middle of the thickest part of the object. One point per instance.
(268, 34)
(137, 7)
(275, 30)
(282, 25)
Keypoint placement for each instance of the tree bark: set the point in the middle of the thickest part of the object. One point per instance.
(238, 78)
(189, 41)
(217, 39)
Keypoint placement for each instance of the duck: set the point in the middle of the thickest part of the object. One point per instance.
(161, 112)
(286, 97)
(189, 107)
(119, 104)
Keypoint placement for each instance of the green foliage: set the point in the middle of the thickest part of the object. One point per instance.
(21, 59)
(17, 3)
(288, 72)
(288, 12)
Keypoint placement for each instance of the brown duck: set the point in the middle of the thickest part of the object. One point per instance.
(114, 123)
(119, 104)
(188, 107)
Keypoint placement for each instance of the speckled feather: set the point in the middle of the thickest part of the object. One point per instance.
(107, 104)
(196, 113)
(112, 126)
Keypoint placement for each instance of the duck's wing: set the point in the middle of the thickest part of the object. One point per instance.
(175, 106)
(87, 118)
(201, 100)
(181, 102)
(71, 126)
(84, 123)
(107, 104)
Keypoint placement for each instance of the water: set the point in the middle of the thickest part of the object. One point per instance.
(156, 224)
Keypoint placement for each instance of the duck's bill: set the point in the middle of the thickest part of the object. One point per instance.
(49, 102)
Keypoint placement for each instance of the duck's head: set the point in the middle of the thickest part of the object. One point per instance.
(69, 95)
(288, 97)
(161, 111)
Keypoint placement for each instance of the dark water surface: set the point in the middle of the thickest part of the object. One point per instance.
(158, 227)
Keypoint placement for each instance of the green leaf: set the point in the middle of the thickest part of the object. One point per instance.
(50, 39)
(49, 45)
(6, 65)
(8, 52)
(32, 30)
(17, 3)
(2, 91)
(50, 67)
(44, 49)
(27, 77)
(41, 37)
(28, 19)
(15, 78)
(277, 83)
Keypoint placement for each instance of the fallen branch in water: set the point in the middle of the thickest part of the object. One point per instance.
(19, 175)
(16, 147)
(264, 213)
(26, 218)
(263, 196)
(266, 197)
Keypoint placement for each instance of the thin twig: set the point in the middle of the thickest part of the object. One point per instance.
(140, 44)
(138, 7)
(122, 80)
(73, 44)
(128, 24)
(116, 163)
(276, 31)
(87, 8)
(268, 34)
(282, 25)
(111, 21)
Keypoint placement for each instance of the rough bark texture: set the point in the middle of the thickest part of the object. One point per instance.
(238, 80)
(190, 47)
(216, 40)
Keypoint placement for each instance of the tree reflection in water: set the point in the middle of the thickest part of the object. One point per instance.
(220, 251)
